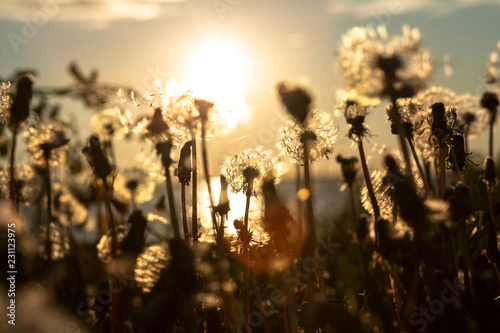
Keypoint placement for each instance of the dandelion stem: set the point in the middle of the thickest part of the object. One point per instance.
(442, 170)
(194, 203)
(455, 165)
(184, 213)
(48, 188)
(310, 217)
(13, 192)
(419, 166)
(353, 209)
(492, 125)
(171, 204)
(401, 131)
(369, 186)
(466, 144)
(259, 300)
(207, 176)
(107, 204)
(299, 200)
(246, 259)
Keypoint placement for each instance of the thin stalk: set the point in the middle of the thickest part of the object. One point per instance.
(184, 213)
(458, 173)
(171, 204)
(466, 143)
(369, 186)
(259, 300)
(194, 203)
(442, 170)
(466, 260)
(229, 304)
(107, 204)
(401, 130)
(353, 209)
(491, 204)
(492, 125)
(310, 217)
(246, 259)
(13, 192)
(419, 166)
(298, 186)
(207, 176)
(48, 189)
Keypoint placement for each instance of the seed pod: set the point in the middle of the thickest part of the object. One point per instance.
(297, 101)
(184, 167)
(20, 108)
(350, 167)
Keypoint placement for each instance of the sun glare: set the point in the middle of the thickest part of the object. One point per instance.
(218, 70)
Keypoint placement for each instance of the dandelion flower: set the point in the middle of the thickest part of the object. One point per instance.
(149, 265)
(47, 141)
(245, 170)
(28, 184)
(373, 64)
(355, 114)
(134, 185)
(258, 237)
(318, 130)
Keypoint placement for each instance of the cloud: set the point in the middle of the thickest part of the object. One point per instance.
(366, 10)
(90, 13)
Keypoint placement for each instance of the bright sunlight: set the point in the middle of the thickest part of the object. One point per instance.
(219, 70)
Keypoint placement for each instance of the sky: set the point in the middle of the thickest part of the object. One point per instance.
(132, 42)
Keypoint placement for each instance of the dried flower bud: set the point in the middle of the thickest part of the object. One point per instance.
(489, 101)
(350, 167)
(157, 125)
(410, 205)
(223, 207)
(297, 101)
(20, 108)
(184, 167)
(203, 107)
(97, 159)
(490, 176)
(458, 197)
(163, 149)
(457, 156)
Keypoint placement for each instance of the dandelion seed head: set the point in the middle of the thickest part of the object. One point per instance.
(246, 169)
(472, 120)
(47, 140)
(259, 237)
(149, 266)
(60, 243)
(28, 184)
(134, 185)
(368, 58)
(319, 128)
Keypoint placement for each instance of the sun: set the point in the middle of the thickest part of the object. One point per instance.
(219, 70)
